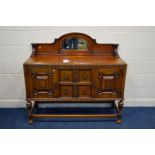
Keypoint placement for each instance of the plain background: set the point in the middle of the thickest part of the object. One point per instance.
(136, 47)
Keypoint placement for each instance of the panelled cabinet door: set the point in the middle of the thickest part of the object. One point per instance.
(75, 82)
(43, 82)
(109, 82)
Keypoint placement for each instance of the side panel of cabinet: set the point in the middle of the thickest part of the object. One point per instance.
(109, 82)
(41, 82)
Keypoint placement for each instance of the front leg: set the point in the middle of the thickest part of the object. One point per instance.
(120, 108)
(29, 108)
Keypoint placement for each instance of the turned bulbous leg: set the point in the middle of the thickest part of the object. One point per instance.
(120, 108)
(29, 108)
(119, 121)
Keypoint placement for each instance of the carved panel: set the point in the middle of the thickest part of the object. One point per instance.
(84, 91)
(43, 82)
(66, 91)
(108, 82)
(84, 75)
(75, 75)
(66, 76)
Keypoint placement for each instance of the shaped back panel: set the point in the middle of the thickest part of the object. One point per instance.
(74, 44)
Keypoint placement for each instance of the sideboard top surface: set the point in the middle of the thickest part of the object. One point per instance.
(74, 60)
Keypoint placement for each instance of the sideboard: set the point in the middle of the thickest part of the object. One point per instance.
(75, 69)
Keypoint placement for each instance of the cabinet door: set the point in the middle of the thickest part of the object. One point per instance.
(75, 83)
(109, 82)
(42, 82)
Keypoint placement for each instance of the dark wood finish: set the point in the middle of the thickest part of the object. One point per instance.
(92, 74)
(74, 115)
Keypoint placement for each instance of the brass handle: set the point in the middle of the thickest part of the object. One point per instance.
(108, 76)
(50, 92)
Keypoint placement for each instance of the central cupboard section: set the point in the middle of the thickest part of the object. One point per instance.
(76, 83)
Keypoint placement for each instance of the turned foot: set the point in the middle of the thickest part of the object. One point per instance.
(119, 121)
(30, 121)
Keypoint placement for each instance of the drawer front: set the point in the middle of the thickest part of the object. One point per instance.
(41, 82)
(109, 82)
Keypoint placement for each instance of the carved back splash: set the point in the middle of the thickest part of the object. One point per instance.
(75, 44)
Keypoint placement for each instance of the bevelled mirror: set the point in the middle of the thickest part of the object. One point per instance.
(75, 44)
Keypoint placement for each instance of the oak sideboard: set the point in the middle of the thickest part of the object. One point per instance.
(75, 69)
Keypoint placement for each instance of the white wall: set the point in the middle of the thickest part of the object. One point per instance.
(137, 48)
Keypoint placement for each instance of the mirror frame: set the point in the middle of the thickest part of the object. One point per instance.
(73, 44)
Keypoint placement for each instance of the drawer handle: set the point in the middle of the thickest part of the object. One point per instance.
(108, 76)
(51, 92)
